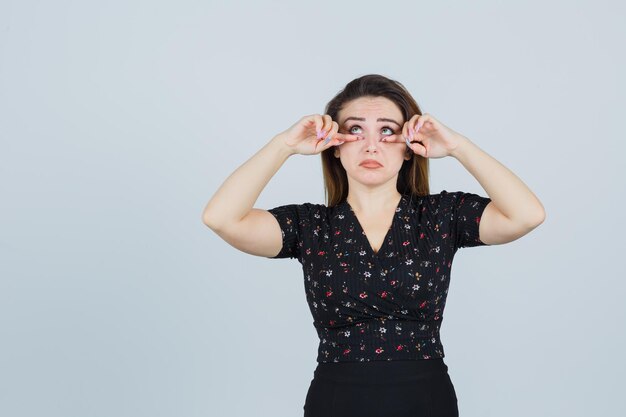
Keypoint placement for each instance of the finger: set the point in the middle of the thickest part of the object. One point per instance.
(425, 143)
(405, 128)
(334, 127)
(328, 125)
(406, 131)
(393, 138)
(414, 127)
(422, 120)
(319, 125)
(419, 149)
(346, 137)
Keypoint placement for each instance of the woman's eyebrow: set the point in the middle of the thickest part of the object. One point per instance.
(362, 119)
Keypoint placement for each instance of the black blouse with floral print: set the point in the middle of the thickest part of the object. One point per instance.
(385, 305)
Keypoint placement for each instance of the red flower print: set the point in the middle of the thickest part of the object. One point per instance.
(421, 235)
(321, 253)
(399, 348)
(363, 295)
(437, 270)
(384, 294)
(423, 304)
(329, 293)
(338, 232)
(332, 322)
(379, 350)
(405, 243)
(345, 352)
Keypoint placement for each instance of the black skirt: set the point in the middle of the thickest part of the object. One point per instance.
(400, 388)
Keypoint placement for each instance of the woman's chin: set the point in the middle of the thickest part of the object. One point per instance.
(371, 179)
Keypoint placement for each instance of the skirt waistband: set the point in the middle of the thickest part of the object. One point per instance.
(372, 372)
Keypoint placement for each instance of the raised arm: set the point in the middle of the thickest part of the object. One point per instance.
(230, 212)
(514, 209)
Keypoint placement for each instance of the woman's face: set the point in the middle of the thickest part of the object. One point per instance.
(378, 117)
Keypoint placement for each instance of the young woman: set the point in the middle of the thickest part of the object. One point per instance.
(377, 257)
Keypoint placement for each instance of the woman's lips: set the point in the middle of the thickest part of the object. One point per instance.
(370, 164)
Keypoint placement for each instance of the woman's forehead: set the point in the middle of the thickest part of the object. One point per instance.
(366, 108)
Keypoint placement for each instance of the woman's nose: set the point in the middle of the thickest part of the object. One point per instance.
(371, 140)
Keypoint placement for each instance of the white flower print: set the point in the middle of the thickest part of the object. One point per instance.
(329, 238)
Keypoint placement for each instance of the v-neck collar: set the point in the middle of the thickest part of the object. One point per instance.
(361, 232)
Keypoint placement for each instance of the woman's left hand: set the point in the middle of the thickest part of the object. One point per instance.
(429, 137)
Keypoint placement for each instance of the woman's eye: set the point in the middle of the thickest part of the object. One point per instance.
(389, 130)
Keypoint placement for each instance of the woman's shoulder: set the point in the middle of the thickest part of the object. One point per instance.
(436, 201)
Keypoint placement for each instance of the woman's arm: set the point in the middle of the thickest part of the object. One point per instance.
(514, 210)
(230, 211)
(237, 195)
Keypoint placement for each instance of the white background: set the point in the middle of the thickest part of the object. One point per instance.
(120, 119)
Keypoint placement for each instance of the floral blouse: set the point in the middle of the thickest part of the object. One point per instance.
(385, 305)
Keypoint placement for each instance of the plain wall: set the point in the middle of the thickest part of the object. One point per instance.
(120, 119)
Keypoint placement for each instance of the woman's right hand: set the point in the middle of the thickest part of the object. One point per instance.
(307, 136)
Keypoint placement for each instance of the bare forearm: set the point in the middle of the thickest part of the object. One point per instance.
(507, 192)
(237, 195)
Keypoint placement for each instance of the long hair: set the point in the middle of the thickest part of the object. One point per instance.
(413, 175)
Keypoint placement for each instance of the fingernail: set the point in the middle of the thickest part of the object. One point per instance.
(327, 139)
(407, 142)
(319, 133)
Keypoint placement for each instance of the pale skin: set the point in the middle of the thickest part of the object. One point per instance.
(513, 212)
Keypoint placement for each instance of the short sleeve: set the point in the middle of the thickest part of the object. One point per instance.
(466, 210)
(294, 221)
